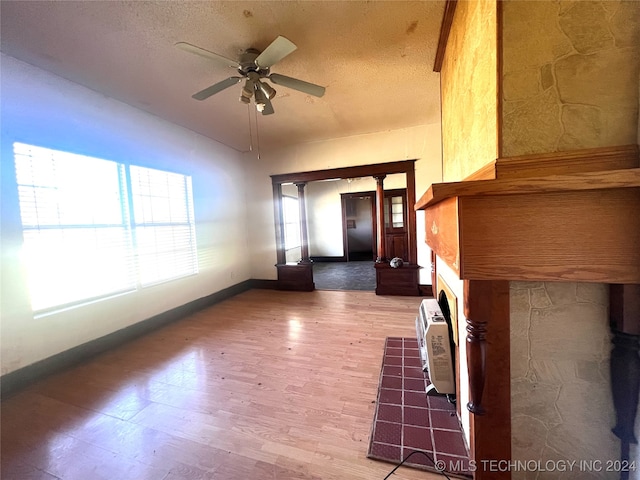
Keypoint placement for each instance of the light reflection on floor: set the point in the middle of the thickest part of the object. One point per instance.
(191, 398)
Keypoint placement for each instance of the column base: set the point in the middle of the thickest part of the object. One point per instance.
(295, 276)
(397, 281)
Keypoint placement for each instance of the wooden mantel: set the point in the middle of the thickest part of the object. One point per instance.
(581, 226)
(562, 216)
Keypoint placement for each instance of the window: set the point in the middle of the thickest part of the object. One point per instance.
(94, 227)
(291, 214)
(394, 206)
(163, 224)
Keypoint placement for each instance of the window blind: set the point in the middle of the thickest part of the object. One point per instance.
(80, 238)
(164, 229)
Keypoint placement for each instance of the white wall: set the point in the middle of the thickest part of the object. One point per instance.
(45, 110)
(324, 218)
(422, 142)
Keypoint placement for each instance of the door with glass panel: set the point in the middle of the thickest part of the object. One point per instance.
(395, 224)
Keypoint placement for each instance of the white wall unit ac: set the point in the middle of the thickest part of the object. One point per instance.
(435, 348)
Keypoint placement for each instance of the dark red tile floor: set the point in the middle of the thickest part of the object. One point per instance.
(407, 420)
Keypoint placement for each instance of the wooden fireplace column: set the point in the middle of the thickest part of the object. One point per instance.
(486, 308)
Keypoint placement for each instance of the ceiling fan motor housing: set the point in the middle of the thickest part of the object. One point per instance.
(247, 63)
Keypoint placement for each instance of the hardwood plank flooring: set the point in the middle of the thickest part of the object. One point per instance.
(266, 385)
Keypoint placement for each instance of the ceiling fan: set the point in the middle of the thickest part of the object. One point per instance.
(254, 66)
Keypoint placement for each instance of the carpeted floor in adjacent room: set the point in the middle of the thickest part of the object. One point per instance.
(360, 275)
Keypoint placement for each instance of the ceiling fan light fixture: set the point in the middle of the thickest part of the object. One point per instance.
(247, 92)
(268, 90)
(247, 89)
(261, 99)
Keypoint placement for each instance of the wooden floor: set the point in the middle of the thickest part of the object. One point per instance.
(267, 385)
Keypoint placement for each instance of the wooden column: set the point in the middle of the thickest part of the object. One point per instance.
(411, 216)
(304, 241)
(381, 254)
(279, 221)
(624, 310)
(486, 308)
(477, 308)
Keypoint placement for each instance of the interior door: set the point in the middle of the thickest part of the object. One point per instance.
(358, 216)
(395, 224)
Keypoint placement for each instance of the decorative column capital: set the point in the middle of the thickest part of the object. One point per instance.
(380, 178)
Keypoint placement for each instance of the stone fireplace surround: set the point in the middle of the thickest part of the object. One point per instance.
(560, 217)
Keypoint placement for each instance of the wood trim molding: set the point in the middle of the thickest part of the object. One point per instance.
(565, 163)
(488, 172)
(602, 180)
(346, 172)
(263, 284)
(411, 216)
(560, 163)
(321, 259)
(445, 29)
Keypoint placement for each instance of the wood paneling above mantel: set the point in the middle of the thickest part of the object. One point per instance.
(581, 226)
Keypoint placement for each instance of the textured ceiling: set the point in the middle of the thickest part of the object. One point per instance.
(375, 58)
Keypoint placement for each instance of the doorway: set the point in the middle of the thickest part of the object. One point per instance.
(358, 226)
(389, 280)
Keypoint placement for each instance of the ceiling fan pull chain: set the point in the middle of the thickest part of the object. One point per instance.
(250, 133)
(257, 133)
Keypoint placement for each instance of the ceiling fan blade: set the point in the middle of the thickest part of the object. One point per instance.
(268, 107)
(276, 51)
(218, 87)
(300, 85)
(219, 59)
